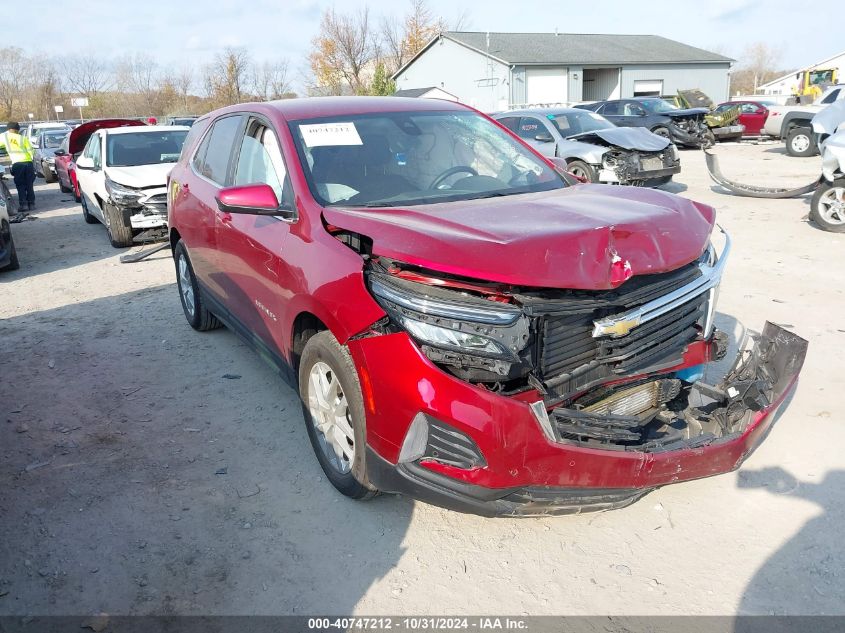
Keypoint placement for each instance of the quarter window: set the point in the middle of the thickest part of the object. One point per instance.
(613, 108)
(260, 160)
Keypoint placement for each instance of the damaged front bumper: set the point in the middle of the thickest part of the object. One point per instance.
(494, 454)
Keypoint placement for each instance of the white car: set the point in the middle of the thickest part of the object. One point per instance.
(791, 123)
(122, 175)
(32, 130)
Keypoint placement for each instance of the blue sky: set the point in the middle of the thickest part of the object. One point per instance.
(181, 32)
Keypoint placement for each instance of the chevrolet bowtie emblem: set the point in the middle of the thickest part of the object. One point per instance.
(614, 328)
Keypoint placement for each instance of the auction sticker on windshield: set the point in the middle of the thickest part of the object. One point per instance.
(323, 134)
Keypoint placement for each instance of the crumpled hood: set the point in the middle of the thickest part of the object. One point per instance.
(636, 138)
(833, 156)
(566, 238)
(141, 175)
(830, 119)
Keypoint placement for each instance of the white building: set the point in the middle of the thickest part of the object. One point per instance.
(495, 71)
(788, 84)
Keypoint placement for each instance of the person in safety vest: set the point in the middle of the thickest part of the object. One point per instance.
(19, 150)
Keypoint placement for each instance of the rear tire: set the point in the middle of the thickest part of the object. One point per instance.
(120, 235)
(581, 169)
(196, 313)
(827, 206)
(89, 219)
(333, 408)
(799, 142)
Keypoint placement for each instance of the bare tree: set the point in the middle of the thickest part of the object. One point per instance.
(344, 51)
(138, 78)
(270, 80)
(182, 81)
(760, 60)
(420, 27)
(85, 75)
(227, 76)
(44, 88)
(14, 69)
(393, 44)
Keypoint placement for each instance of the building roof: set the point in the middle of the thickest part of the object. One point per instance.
(577, 48)
(413, 92)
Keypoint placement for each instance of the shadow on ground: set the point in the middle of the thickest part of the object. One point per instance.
(151, 469)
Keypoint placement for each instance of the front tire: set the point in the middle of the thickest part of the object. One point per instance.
(662, 132)
(120, 235)
(49, 177)
(333, 408)
(827, 207)
(13, 264)
(580, 169)
(197, 315)
(799, 142)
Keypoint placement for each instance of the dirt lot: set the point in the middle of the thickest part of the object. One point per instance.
(147, 468)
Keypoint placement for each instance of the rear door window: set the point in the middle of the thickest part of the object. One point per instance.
(214, 155)
(613, 108)
(831, 97)
(530, 127)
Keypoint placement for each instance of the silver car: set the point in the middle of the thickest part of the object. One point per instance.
(594, 148)
(46, 142)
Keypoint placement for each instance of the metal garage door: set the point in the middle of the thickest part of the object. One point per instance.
(545, 85)
(648, 88)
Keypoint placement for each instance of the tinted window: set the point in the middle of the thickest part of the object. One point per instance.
(529, 127)
(52, 140)
(510, 122)
(633, 109)
(144, 148)
(260, 159)
(614, 108)
(213, 156)
(578, 122)
(831, 97)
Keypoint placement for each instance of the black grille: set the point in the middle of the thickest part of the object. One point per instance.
(570, 357)
(450, 446)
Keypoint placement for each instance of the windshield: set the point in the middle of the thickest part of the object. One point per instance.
(52, 140)
(144, 148)
(656, 105)
(409, 158)
(578, 122)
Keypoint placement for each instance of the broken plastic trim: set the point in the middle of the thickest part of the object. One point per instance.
(711, 275)
(752, 191)
(765, 367)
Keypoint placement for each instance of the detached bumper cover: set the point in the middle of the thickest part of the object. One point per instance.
(527, 473)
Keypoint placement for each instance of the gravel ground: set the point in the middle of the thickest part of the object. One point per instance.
(150, 469)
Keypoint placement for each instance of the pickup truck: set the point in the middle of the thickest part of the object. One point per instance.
(792, 123)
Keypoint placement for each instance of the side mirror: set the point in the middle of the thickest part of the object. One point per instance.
(60, 152)
(544, 137)
(257, 199)
(85, 162)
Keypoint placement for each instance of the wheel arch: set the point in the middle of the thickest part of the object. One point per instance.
(305, 325)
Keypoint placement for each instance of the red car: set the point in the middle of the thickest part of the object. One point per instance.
(73, 144)
(464, 323)
(752, 114)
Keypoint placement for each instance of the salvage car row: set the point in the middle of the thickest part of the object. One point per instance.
(552, 334)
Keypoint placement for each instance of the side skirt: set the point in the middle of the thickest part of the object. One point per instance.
(270, 355)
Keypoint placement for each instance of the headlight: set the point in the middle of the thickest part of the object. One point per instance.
(453, 321)
(445, 337)
(121, 194)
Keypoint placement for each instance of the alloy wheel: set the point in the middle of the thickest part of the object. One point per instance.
(186, 287)
(832, 205)
(331, 417)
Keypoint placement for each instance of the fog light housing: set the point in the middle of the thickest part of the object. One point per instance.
(430, 439)
(416, 440)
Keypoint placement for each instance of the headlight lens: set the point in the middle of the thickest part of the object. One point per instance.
(452, 320)
(445, 337)
(122, 194)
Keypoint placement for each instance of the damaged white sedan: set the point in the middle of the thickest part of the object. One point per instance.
(594, 148)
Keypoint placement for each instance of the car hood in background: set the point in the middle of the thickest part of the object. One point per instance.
(141, 175)
(80, 135)
(637, 138)
(567, 238)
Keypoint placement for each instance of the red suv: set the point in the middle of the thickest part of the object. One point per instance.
(463, 323)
